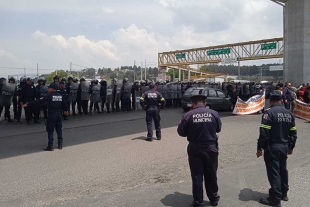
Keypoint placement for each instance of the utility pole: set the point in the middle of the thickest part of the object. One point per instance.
(145, 71)
(38, 70)
(25, 74)
(238, 69)
(134, 70)
(261, 73)
(70, 68)
(141, 70)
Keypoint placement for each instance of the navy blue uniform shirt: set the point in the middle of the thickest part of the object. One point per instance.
(27, 93)
(151, 98)
(55, 102)
(277, 127)
(200, 126)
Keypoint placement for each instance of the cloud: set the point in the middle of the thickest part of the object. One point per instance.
(79, 45)
(108, 10)
(87, 33)
(10, 63)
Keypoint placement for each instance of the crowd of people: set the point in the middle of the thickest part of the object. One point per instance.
(85, 98)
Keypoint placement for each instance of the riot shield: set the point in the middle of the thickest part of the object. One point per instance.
(169, 91)
(145, 89)
(109, 95)
(179, 91)
(7, 93)
(118, 92)
(174, 91)
(127, 90)
(95, 96)
(164, 92)
(73, 92)
(85, 91)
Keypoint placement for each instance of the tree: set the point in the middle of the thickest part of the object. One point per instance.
(50, 77)
(205, 68)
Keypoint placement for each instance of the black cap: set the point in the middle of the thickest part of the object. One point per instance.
(53, 85)
(152, 85)
(276, 95)
(197, 98)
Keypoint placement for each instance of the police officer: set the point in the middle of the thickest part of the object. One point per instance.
(277, 138)
(55, 105)
(27, 94)
(94, 92)
(150, 101)
(103, 94)
(19, 98)
(42, 90)
(56, 80)
(200, 126)
(125, 95)
(63, 91)
(135, 92)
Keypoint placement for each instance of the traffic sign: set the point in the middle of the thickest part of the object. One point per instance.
(229, 60)
(269, 46)
(180, 56)
(276, 68)
(219, 51)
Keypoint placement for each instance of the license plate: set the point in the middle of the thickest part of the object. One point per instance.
(189, 105)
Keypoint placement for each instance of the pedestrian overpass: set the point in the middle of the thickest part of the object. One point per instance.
(229, 53)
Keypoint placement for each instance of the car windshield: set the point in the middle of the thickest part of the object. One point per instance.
(196, 92)
(188, 91)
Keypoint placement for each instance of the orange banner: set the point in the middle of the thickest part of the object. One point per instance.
(251, 106)
(302, 110)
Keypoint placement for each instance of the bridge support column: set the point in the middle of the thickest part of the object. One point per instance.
(180, 75)
(297, 42)
(189, 75)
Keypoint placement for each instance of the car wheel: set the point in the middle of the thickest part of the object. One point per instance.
(185, 109)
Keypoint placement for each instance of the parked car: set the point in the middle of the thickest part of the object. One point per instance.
(216, 99)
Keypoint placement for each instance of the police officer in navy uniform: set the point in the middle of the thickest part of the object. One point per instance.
(201, 126)
(151, 101)
(277, 138)
(55, 105)
(28, 93)
(63, 91)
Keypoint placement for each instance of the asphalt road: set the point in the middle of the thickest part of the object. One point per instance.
(105, 162)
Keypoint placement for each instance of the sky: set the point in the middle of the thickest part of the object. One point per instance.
(105, 33)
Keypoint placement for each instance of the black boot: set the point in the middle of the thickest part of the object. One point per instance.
(270, 202)
(49, 148)
(60, 146)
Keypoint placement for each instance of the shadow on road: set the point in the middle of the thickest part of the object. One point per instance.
(20, 139)
(247, 194)
(179, 200)
(139, 138)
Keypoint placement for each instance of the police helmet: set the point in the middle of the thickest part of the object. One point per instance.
(12, 79)
(56, 77)
(136, 81)
(75, 80)
(22, 79)
(2, 80)
(82, 79)
(64, 80)
(103, 82)
(93, 81)
(125, 80)
(70, 78)
(29, 79)
(41, 79)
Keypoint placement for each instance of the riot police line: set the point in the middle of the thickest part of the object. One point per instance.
(85, 97)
